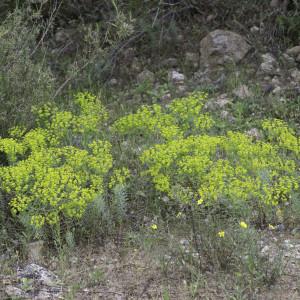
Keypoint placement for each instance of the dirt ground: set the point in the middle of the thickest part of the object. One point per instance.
(112, 272)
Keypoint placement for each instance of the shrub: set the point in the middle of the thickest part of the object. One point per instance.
(181, 117)
(56, 169)
(25, 79)
(234, 170)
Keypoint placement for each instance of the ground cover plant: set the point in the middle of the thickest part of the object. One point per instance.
(234, 170)
(52, 172)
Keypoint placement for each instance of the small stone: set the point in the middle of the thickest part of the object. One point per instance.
(14, 292)
(181, 90)
(275, 81)
(113, 82)
(289, 61)
(265, 250)
(296, 231)
(298, 58)
(225, 115)
(254, 29)
(269, 65)
(184, 242)
(175, 77)
(254, 133)
(210, 18)
(222, 101)
(295, 74)
(180, 38)
(146, 76)
(280, 227)
(242, 92)
(294, 51)
(277, 91)
(166, 97)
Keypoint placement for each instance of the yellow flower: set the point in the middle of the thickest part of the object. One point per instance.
(200, 201)
(221, 233)
(153, 226)
(271, 227)
(243, 225)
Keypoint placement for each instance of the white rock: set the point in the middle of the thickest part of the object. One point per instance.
(175, 77)
(254, 29)
(277, 90)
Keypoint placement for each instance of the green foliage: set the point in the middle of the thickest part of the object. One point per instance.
(25, 79)
(233, 169)
(56, 169)
(181, 117)
(290, 26)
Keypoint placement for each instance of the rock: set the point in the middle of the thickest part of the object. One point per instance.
(298, 58)
(35, 282)
(275, 81)
(146, 76)
(166, 97)
(254, 29)
(288, 61)
(192, 59)
(176, 78)
(242, 92)
(269, 65)
(277, 90)
(220, 47)
(15, 293)
(294, 51)
(295, 74)
(170, 62)
(39, 274)
(210, 18)
(222, 101)
(265, 250)
(113, 82)
(35, 251)
(254, 133)
(202, 77)
(226, 115)
(274, 3)
(181, 90)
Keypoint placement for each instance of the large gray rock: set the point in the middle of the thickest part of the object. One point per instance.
(220, 47)
(294, 51)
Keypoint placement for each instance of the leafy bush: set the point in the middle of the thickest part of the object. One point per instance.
(234, 170)
(56, 169)
(181, 117)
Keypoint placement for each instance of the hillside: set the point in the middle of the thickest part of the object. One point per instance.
(150, 149)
